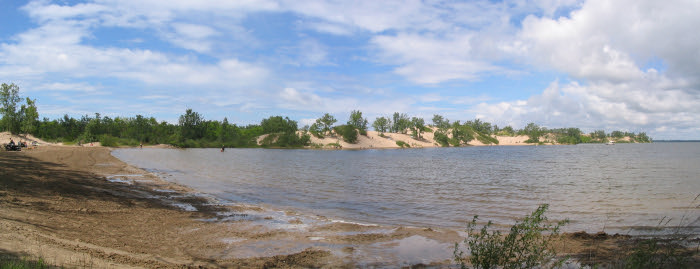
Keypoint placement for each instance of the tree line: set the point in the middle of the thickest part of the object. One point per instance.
(192, 130)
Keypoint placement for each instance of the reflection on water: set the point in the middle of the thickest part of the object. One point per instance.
(598, 187)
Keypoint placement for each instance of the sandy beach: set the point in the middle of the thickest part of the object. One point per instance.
(81, 207)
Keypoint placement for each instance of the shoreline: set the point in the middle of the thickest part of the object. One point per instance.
(58, 203)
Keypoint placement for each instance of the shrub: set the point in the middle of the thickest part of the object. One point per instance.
(441, 139)
(109, 141)
(486, 139)
(527, 245)
(335, 145)
(348, 132)
(402, 144)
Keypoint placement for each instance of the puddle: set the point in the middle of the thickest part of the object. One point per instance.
(127, 175)
(408, 251)
(232, 240)
(119, 180)
(165, 191)
(183, 206)
(269, 248)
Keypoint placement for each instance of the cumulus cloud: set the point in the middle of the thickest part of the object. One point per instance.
(620, 64)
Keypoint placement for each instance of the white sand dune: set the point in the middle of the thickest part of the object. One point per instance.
(374, 140)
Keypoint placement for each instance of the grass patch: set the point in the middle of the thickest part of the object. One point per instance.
(335, 145)
(24, 263)
(402, 144)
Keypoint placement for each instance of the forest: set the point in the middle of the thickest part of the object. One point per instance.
(193, 131)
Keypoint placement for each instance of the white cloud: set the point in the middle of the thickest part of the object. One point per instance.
(58, 86)
(432, 59)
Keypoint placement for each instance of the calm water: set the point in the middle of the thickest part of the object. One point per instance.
(620, 188)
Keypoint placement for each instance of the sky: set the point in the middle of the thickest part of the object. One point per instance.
(631, 65)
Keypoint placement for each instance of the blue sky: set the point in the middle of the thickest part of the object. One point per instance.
(614, 65)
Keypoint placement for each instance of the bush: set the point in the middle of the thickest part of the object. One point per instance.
(335, 145)
(486, 139)
(109, 141)
(402, 144)
(524, 247)
(441, 139)
(348, 132)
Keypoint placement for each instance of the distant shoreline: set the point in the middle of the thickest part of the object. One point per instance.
(675, 141)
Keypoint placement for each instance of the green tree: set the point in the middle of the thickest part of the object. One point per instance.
(617, 134)
(598, 134)
(316, 130)
(30, 116)
(532, 130)
(642, 137)
(190, 125)
(277, 124)
(401, 123)
(440, 122)
(480, 126)
(9, 97)
(508, 130)
(417, 125)
(381, 124)
(358, 121)
(325, 123)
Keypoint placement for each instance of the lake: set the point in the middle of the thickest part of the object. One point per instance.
(625, 188)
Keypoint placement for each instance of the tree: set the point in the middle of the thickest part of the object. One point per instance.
(315, 129)
(532, 130)
(417, 125)
(508, 130)
(480, 126)
(29, 116)
(441, 122)
(381, 124)
(461, 134)
(9, 97)
(326, 122)
(358, 122)
(617, 134)
(401, 123)
(190, 125)
(277, 124)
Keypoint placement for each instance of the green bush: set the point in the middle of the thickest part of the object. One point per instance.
(109, 141)
(402, 144)
(348, 132)
(527, 245)
(335, 145)
(441, 139)
(486, 139)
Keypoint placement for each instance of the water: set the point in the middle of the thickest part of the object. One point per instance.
(625, 188)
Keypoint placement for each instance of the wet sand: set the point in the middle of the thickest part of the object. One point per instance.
(80, 207)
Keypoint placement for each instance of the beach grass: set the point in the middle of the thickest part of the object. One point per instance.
(24, 263)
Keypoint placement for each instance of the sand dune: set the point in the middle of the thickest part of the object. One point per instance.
(373, 140)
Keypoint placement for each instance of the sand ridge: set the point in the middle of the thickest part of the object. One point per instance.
(374, 140)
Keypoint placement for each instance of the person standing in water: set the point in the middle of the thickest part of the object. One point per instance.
(222, 148)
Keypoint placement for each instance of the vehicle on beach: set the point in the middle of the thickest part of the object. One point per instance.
(610, 143)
